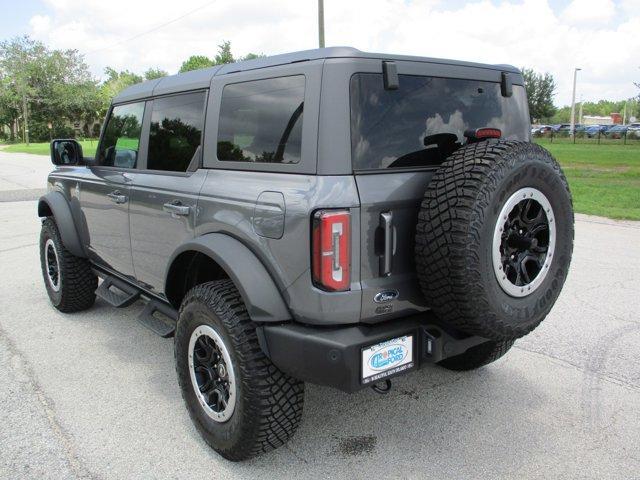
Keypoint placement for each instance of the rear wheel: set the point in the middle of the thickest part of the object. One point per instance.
(241, 404)
(494, 238)
(477, 356)
(69, 280)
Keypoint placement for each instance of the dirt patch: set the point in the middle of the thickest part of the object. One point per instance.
(356, 445)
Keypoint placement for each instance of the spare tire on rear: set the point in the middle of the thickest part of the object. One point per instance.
(494, 238)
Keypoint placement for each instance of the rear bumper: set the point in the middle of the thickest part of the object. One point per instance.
(333, 356)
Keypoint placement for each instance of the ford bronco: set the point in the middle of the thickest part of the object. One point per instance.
(328, 216)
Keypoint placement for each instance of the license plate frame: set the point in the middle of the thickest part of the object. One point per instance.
(389, 357)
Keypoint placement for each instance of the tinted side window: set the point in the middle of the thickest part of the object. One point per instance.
(175, 131)
(121, 140)
(424, 120)
(261, 121)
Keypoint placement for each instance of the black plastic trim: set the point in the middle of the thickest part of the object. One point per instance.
(332, 356)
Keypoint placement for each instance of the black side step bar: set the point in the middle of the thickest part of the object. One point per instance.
(157, 316)
(165, 327)
(123, 295)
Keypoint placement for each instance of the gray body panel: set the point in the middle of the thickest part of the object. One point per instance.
(398, 194)
(156, 233)
(227, 204)
(254, 219)
(106, 221)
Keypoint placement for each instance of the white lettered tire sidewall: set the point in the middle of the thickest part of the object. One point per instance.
(530, 310)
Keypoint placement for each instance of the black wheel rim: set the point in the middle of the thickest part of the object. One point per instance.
(524, 239)
(52, 265)
(212, 373)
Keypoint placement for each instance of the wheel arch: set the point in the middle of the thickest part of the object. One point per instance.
(54, 204)
(215, 256)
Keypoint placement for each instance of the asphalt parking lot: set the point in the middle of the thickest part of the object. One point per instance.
(94, 395)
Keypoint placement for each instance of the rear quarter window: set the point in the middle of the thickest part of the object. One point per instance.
(261, 120)
(403, 127)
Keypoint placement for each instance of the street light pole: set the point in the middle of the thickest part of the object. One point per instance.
(573, 102)
(321, 23)
(580, 111)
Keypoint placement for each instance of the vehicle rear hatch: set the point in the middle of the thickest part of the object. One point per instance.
(399, 137)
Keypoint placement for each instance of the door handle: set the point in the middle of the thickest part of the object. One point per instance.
(176, 208)
(386, 260)
(117, 197)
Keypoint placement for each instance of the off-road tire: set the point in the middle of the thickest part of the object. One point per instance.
(269, 403)
(77, 282)
(454, 237)
(477, 356)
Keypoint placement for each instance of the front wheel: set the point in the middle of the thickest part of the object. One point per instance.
(69, 280)
(241, 404)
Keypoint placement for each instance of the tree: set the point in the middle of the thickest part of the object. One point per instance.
(116, 82)
(224, 54)
(39, 86)
(154, 73)
(252, 56)
(196, 62)
(540, 91)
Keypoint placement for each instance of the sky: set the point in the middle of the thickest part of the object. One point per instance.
(602, 37)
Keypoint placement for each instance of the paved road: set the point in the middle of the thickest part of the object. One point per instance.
(22, 176)
(94, 395)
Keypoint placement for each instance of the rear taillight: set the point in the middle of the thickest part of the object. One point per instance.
(330, 250)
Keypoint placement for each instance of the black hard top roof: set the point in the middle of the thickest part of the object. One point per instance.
(202, 78)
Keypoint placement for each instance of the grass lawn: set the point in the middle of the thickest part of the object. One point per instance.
(604, 179)
(88, 148)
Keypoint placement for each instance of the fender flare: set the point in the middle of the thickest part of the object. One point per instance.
(56, 204)
(256, 286)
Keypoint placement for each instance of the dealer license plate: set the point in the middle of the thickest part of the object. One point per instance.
(387, 358)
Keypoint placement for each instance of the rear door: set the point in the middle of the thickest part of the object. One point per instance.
(164, 191)
(398, 139)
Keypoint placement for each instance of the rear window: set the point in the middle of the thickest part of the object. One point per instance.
(423, 121)
(175, 132)
(261, 121)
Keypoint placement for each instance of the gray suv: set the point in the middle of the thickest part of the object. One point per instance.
(328, 216)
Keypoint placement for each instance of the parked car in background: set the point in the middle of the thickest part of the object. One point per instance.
(617, 131)
(595, 130)
(633, 127)
(565, 128)
(540, 129)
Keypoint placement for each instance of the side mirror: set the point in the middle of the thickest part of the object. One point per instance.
(66, 152)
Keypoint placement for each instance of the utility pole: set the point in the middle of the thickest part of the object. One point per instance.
(573, 102)
(321, 23)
